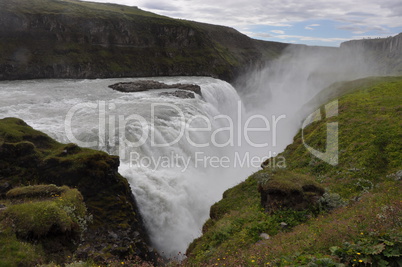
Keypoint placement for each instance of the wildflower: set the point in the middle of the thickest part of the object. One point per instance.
(361, 233)
(122, 263)
(360, 261)
(358, 253)
(252, 260)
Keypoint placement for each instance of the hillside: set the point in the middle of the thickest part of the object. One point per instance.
(73, 39)
(355, 221)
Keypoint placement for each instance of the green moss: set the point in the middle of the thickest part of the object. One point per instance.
(13, 130)
(38, 219)
(14, 252)
(35, 191)
(58, 208)
(286, 181)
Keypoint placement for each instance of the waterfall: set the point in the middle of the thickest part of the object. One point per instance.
(180, 155)
(165, 143)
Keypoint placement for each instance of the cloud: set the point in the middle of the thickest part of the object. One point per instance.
(356, 18)
(161, 6)
(238, 13)
(311, 26)
(258, 34)
(360, 14)
(278, 31)
(311, 38)
(356, 29)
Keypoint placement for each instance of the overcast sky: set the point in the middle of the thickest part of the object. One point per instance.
(312, 22)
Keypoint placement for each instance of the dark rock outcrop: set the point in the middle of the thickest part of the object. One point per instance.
(145, 85)
(179, 94)
(73, 39)
(283, 189)
(28, 156)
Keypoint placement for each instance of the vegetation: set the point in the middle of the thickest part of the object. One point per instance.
(75, 8)
(41, 223)
(359, 218)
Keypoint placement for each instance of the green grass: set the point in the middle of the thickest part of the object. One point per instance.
(367, 230)
(38, 218)
(370, 139)
(13, 130)
(35, 191)
(75, 8)
(17, 253)
(238, 220)
(285, 181)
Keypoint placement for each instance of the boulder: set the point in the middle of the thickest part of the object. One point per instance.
(145, 85)
(282, 189)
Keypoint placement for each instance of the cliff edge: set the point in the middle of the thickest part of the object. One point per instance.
(73, 39)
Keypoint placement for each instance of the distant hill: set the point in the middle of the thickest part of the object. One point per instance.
(73, 39)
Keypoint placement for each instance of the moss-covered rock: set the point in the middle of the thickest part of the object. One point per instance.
(35, 191)
(31, 157)
(48, 219)
(287, 190)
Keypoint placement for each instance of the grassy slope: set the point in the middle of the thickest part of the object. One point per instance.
(75, 8)
(370, 145)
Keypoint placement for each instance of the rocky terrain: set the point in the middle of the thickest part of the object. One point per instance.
(114, 228)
